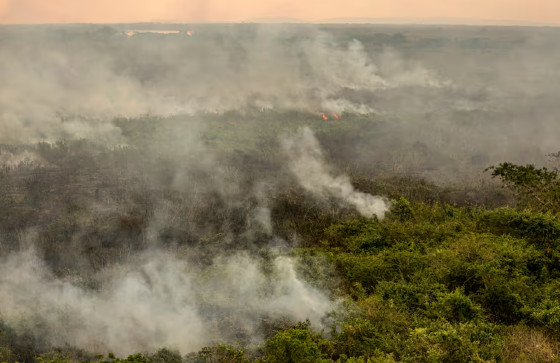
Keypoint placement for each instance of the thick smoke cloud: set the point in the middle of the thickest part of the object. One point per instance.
(305, 159)
(155, 300)
(59, 83)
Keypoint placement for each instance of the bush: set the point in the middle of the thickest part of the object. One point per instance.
(295, 346)
(402, 210)
(218, 354)
(547, 314)
(410, 296)
(503, 303)
(455, 307)
(358, 337)
(542, 229)
(535, 188)
(356, 235)
(165, 355)
(445, 342)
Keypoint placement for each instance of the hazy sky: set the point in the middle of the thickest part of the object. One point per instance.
(108, 11)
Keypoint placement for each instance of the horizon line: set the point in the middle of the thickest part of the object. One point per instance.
(425, 21)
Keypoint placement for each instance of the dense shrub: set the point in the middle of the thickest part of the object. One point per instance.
(294, 346)
(218, 354)
(542, 229)
(433, 281)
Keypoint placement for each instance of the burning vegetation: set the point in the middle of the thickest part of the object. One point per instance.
(278, 193)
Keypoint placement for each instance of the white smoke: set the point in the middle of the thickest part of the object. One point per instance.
(306, 161)
(13, 160)
(157, 300)
(71, 83)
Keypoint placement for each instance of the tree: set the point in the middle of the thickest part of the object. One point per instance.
(535, 188)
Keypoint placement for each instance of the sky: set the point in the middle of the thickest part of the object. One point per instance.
(128, 11)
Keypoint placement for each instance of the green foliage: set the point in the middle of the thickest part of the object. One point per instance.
(356, 235)
(548, 315)
(455, 306)
(414, 297)
(52, 359)
(165, 355)
(432, 282)
(6, 355)
(503, 303)
(538, 189)
(294, 346)
(441, 341)
(540, 228)
(402, 209)
(451, 277)
(133, 358)
(358, 337)
(218, 354)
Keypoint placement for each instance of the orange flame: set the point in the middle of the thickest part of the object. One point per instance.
(336, 116)
(324, 117)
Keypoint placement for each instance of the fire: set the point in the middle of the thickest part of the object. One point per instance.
(336, 116)
(325, 117)
(189, 33)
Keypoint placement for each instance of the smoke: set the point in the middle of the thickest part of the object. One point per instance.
(71, 82)
(155, 300)
(148, 245)
(65, 82)
(306, 161)
(14, 159)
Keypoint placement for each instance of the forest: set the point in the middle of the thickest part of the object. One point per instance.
(166, 204)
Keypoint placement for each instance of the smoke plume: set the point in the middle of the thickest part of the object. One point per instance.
(153, 301)
(72, 82)
(305, 160)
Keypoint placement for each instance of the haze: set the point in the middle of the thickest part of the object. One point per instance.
(109, 11)
(279, 181)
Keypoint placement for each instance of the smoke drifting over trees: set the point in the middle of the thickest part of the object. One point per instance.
(73, 83)
(207, 185)
(153, 301)
(306, 162)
